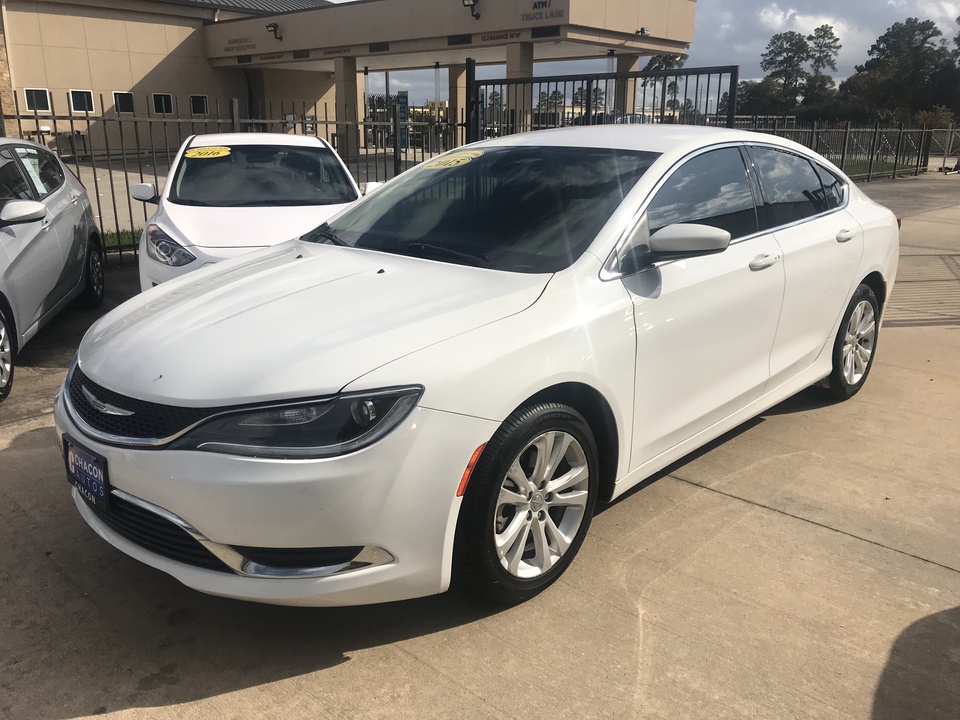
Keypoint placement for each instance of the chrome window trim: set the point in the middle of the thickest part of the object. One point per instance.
(609, 270)
(369, 556)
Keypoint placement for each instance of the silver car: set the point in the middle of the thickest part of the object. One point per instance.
(50, 248)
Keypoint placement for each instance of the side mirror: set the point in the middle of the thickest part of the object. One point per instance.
(673, 242)
(145, 192)
(370, 187)
(683, 240)
(19, 212)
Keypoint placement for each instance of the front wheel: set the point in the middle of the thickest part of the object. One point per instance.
(94, 284)
(856, 345)
(528, 505)
(7, 355)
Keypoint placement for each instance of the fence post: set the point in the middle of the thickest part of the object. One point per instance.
(732, 97)
(473, 103)
(396, 139)
(923, 156)
(873, 151)
(896, 155)
(846, 144)
(235, 114)
(589, 101)
(814, 137)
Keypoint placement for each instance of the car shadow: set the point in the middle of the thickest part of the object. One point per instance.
(56, 342)
(87, 630)
(921, 679)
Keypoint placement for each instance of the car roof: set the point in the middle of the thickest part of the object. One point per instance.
(650, 138)
(234, 139)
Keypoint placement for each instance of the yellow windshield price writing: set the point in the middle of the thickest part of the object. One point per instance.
(207, 152)
(455, 160)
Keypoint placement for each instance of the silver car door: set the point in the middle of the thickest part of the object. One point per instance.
(33, 261)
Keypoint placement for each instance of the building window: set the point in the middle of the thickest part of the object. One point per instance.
(198, 104)
(81, 101)
(123, 102)
(163, 103)
(38, 99)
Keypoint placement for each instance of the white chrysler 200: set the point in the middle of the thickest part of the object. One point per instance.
(440, 384)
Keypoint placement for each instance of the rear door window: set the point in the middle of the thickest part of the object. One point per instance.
(791, 187)
(13, 184)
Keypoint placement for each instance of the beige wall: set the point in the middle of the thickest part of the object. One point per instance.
(130, 46)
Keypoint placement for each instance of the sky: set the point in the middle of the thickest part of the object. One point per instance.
(736, 32)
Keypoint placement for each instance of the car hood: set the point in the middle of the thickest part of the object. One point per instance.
(252, 227)
(293, 321)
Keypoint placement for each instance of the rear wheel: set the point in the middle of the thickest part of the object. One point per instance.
(528, 505)
(856, 345)
(94, 285)
(7, 355)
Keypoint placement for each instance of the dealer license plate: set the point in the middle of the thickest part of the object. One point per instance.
(87, 471)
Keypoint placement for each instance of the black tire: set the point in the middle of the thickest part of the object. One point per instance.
(8, 355)
(552, 517)
(845, 380)
(94, 285)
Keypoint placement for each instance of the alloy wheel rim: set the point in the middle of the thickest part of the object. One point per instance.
(858, 342)
(541, 504)
(96, 273)
(6, 356)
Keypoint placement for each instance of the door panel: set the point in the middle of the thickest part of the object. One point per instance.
(705, 326)
(704, 331)
(66, 214)
(820, 266)
(821, 245)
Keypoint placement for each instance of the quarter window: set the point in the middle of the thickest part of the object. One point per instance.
(43, 168)
(791, 188)
(832, 187)
(711, 189)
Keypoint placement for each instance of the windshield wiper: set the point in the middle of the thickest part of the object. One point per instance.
(427, 250)
(188, 201)
(322, 234)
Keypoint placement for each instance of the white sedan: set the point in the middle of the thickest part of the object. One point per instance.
(228, 194)
(439, 385)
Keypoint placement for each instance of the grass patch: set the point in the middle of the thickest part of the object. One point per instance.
(122, 238)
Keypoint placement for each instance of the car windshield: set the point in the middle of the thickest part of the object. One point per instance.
(521, 209)
(260, 176)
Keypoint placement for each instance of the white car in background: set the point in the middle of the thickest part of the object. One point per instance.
(440, 384)
(50, 248)
(230, 193)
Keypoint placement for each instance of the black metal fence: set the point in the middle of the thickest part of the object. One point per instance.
(696, 96)
(110, 151)
(867, 153)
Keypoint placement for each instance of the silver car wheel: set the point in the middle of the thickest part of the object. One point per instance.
(95, 268)
(541, 504)
(858, 343)
(6, 355)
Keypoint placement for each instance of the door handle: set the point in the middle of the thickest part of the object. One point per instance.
(45, 223)
(762, 262)
(845, 235)
(74, 197)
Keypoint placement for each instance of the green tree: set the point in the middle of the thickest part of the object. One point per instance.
(824, 47)
(580, 95)
(662, 63)
(909, 69)
(783, 61)
(761, 98)
(550, 101)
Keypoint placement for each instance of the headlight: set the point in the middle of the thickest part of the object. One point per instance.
(311, 429)
(163, 248)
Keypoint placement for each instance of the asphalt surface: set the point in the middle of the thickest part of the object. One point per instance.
(804, 566)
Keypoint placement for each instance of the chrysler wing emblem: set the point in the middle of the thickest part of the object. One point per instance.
(103, 407)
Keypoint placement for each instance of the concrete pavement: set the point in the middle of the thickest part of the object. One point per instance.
(807, 565)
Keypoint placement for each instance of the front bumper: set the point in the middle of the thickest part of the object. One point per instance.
(395, 499)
